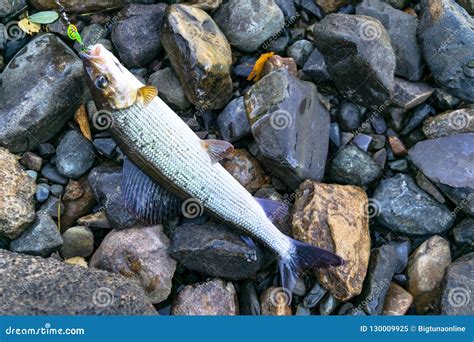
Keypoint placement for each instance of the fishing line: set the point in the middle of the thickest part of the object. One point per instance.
(72, 31)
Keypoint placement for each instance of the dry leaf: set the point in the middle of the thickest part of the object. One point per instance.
(257, 70)
(83, 121)
(79, 261)
(29, 27)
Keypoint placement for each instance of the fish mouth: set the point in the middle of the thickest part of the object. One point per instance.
(91, 52)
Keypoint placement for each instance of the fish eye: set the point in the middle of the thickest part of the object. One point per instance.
(101, 82)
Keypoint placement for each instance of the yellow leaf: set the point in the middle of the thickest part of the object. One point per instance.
(79, 261)
(83, 121)
(257, 70)
(29, 27)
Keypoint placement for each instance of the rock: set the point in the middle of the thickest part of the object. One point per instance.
(205, 5)
(37, 286)
(277, 62)
(397, 146)
(300, 51)
(383, 262)
(49, 172)
(247, 24)
(283, 109)
(52, 206)
(446, 38)
(136, 36)
(215, 250)
(287, 7)
(213, 298)
(349, 116)
(334, 217)
(46, 150)
(276, 301)
(169, 88)
(246, 169)
(56, 190)
(444, 100)
(458, 287)
(17, 189)
(314, 296)
(362, 141)
(401, 206)
(41, 239)
(78, 242)
(418, 115)
(316, 68)
(105, 183)
(402, 29)
(426, 269)
(353, 166)
(464, 234)
(447, 162)
(427, 186)
(77, 202)
(408, 95)
(450, 123)
(105, 146)
(75, 155)
(397, 302)
(232, 122)
(55, 78)
(140, 254)
(331, 5)
(42, 192)
(359, 57)
(10, 7)
(200, 55)
(31, 161)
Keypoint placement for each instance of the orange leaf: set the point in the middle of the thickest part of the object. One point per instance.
(83, 121)
(257, 70)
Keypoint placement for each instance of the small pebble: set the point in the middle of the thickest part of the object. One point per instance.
(42, 192)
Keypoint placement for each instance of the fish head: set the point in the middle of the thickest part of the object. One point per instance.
(110, 78)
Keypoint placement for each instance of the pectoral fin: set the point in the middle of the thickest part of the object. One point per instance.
(217, 149)
(146, 94)
(145, 199)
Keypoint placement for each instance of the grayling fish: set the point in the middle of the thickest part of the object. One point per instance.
(165, 149)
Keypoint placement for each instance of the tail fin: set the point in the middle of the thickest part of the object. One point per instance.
(304, 256)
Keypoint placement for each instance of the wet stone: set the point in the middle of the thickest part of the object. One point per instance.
(449, 56)
(349, 69)
(275, 301)
(136, 35)
(31, 161)
(406, 209)
(41, 239)
(463, 234)
(247, 24)
(397, 302)
(75, 155)
(246, 169)
(200, 55)
(458, 287)
(169, 88)
(232, 122)
(426, 269)
(447, 162)
(215, 250)
(78, 242)
(300, 51)
(353, 166)
(283, 109)
(450, 123)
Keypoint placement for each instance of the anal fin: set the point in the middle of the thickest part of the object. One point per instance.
(217, 149)
(146, 200)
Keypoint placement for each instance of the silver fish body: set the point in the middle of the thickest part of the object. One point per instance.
(163, 146)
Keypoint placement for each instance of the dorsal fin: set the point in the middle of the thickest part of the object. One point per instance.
(146, 94)
(217, 149)
(147, 201)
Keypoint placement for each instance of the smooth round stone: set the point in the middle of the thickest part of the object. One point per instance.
(349, 117)
(399, 165)
(33, 174)
(49, 171)
(42, 192)
(57, 190)
(78, 242)
(75, 155)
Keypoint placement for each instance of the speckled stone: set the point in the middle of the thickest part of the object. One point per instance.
(450, 123)
(275, 301)
(213, 298)
(246, 169)
(397, 302)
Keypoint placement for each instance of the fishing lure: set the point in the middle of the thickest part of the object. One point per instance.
(73, 33)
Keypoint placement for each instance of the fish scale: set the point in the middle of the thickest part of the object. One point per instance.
(157, 140)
